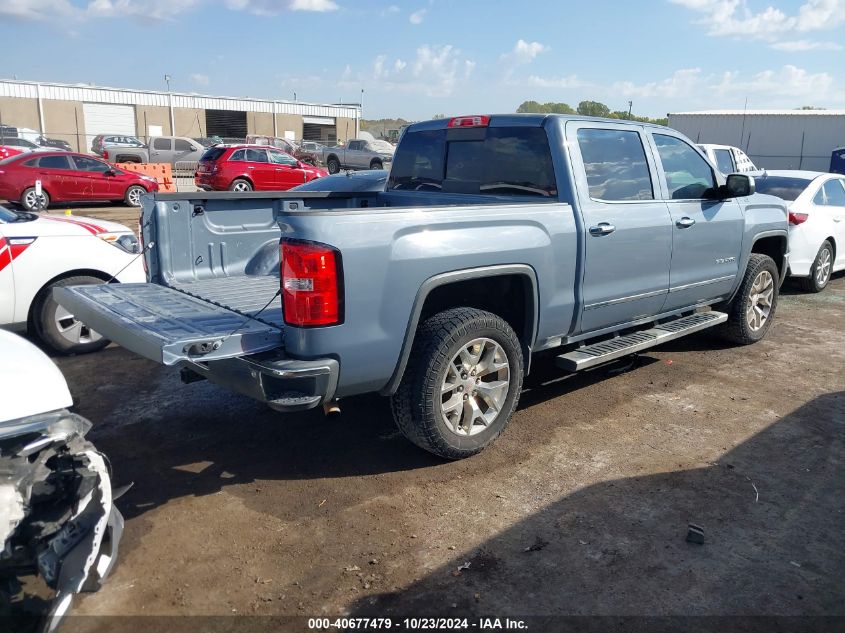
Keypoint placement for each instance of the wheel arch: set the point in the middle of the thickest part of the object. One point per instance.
(38, 297)
(242, 177)
(482, 288)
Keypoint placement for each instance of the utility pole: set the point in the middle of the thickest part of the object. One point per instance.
(167, 79)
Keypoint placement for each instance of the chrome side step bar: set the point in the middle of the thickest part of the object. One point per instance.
(598, 353)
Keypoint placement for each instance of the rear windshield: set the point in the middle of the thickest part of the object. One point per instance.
(213, 154)
(497, 161)
(781, 186)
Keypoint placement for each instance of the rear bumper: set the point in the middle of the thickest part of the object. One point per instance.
(285, 384)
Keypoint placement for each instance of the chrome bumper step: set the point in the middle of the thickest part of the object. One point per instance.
(598, 353)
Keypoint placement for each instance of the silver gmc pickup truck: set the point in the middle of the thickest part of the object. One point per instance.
(495, 237)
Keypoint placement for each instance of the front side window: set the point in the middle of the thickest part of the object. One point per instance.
(688, 175)
(181, 145)
(84, 163)
(161, 143)
(834, 193)
(724, 161)
(256, 155)
(280, 158)
(54, 162)
(615, 164)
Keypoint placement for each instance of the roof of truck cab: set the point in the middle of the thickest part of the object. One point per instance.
(530, 119)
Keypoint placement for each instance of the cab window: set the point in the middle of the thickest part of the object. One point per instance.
(615, 164)
(724, 161)
(688, 175)
(181, 145)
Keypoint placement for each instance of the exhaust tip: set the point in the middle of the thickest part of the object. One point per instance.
(331, 408)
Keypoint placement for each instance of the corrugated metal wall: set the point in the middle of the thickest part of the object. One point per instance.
(772, 141)
(147, 98)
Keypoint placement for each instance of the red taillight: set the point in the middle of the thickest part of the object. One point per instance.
(797, 218)
(311, 284)
(479, 120)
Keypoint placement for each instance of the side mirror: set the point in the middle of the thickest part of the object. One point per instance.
(109, 172)
(739, 186)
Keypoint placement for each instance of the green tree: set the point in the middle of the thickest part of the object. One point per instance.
(545, 108)
(593, 108)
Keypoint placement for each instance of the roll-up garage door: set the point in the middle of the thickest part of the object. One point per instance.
(228, 124)
(108, 118)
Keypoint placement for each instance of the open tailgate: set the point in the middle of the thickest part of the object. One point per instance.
(166, 325)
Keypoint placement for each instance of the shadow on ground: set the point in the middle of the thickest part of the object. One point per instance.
(773, 515)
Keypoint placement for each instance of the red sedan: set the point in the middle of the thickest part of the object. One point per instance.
(68, 177)
(252, 167)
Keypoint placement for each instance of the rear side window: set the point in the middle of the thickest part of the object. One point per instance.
(213, 154)
(505, 160)
(834, 193)
(724, 161)
(161, 143)
(616, 165)
(238, 155)
(688, 175)
(54, 162)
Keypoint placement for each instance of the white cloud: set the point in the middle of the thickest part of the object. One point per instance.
(789, 83)
(682, 83)
(275, 7)
(524, 52)
(147, 9)
(392, 9)
(435, 71)
(199, 79)
(735, 18)
(417, 16)
(570, 81)
(36, 9)
(805, 45)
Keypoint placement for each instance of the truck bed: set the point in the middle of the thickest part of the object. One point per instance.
(246, 295)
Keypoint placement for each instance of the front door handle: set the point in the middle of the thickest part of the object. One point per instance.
(684, 223)
(602, 228)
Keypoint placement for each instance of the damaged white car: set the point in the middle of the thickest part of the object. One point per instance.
(57, 516)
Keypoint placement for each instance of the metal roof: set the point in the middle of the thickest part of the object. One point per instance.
(102, 94)
(761, 113)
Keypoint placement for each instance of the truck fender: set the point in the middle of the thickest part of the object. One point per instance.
(443, 279)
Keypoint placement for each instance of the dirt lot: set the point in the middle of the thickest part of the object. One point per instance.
(581, 507)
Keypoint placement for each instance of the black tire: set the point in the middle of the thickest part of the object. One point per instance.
(417, 404)
(737, 329)
(129, 198)
(812, 283)
(29, 201)
(240, 184)
(333, 165)
(47, 324)
(376, 164)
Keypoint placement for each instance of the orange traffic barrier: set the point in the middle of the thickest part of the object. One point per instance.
(162, 172)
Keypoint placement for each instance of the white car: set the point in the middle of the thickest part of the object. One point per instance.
(40, 252)
(816, 222)
(57, 513)
(727, 158)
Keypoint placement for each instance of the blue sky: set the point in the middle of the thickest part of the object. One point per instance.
(424, 57)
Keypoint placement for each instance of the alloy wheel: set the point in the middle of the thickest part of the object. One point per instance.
(760, 300)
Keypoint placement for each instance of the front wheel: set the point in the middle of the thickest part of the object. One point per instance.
(752, 311)
(333, 165)
(820, 271)
(60, 329)
(463, 383)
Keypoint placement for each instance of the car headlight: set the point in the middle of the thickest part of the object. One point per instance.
(126, 242)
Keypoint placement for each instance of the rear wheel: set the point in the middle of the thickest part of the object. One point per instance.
(751, 312)
(333, 165)
(239, 184)
(820, 270)
(59, 329)
(463, 383)
(376, 164)
(32, 201)
(133, 195)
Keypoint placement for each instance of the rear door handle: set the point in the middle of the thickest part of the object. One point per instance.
(602, 228)
(684, 223)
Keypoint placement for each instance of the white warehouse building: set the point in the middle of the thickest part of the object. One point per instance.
(773, 139)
